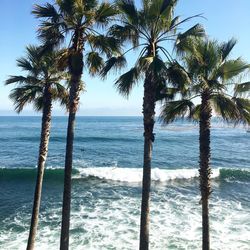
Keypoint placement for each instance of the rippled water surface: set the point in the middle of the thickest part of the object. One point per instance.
(106, 184)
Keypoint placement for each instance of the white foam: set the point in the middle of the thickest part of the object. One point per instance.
(112, 222)
(134, 175)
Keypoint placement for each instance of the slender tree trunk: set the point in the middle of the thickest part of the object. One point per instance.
(148, 120)
(43, 151)
(75, 68)
(205, 169)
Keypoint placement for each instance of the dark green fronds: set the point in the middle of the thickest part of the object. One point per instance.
(166, 4)
(105, 13)
(105, 44)
(51, 37)
(195, 31)
(166, 93)
(176, 109)
(126, 82)
(158, 67)
(22, 80)
(125, 33)
(38, 103)
(68, 6)
(24, 95)
(60, 93)
(115, 63)
(243, 106)
(41, 70)
(90, 4)
(227, 47)
(128, 8)
(46, 11)
(242, 88)
(174, 22)
(195, 113)
(24, 64)
(94, 62)
(206, 67)
(178, 76)
(225, 107)
(232, 68)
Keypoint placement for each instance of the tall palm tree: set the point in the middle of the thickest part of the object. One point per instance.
(208, 74)
(149, 29)
(40, 85)
(78, 23)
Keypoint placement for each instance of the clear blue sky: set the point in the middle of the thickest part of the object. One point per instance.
(225, 19)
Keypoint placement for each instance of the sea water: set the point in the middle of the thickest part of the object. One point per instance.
(106, 190)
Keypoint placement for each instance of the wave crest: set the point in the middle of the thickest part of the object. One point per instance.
(130, 175)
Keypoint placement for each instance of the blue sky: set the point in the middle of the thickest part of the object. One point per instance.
(224, 19)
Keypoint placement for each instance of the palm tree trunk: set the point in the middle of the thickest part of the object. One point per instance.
(148, 120)
(43, 151)
(75, 68)
(205, 169)
(74, 100)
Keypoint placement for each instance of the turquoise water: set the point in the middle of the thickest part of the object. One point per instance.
(106, 184)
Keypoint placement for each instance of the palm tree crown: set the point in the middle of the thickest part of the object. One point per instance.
(208, 68)
(41, 72)
(148, 29)
(78, 23)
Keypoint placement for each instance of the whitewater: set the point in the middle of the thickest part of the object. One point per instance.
(107, 185)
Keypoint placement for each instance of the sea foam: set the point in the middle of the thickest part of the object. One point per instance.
(134, 175)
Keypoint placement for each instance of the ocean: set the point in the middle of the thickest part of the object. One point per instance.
(106, 190)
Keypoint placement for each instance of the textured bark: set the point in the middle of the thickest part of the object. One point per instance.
(205, 169)
(75, 68)
(148, 120)
(43, 151)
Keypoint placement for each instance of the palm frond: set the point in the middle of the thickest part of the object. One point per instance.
(22, 80)
(105, 44)
(114, 63)
(178, 76)
(66, 6)
(243, 106)
(60, 93)
(225, 107)
(195, 31)
(232, 68)
(195, 113)
(174, 22)
(94, 62)
(105, 13)
(166, 93)
(158, 66)
(227, 47)
(21, 96)
(126, 82)
(46, 11)
(125, 33)
(38, 103)
(166, 4)
(50, 36)
(242, 88)
(176, 109)
(129, 10)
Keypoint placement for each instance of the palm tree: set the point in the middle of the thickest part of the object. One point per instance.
(208, 74)
(148, 29)
(39, 86)
(78, 23)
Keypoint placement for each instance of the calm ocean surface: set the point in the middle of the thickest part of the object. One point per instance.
(106, 185)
